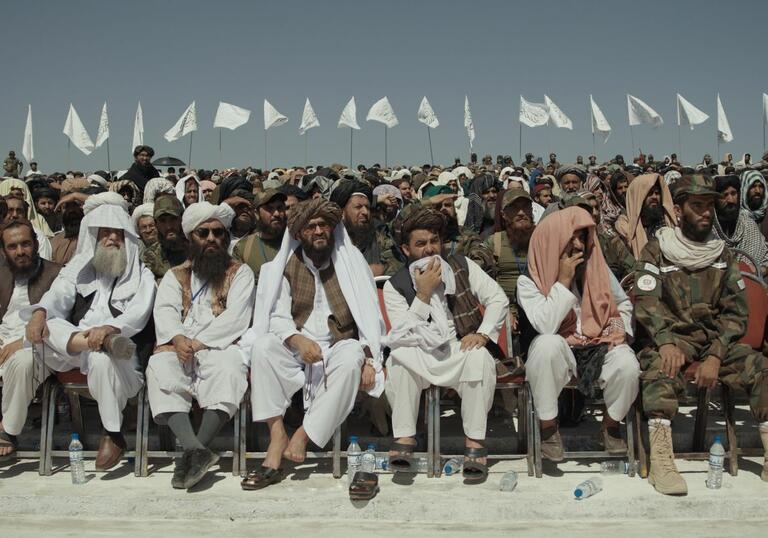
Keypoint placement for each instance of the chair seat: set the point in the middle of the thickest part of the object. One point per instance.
(518, 379)
(72, 377)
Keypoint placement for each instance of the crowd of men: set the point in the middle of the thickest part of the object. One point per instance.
(202, 283)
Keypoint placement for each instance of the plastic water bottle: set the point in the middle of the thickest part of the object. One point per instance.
(421, 465)
(453, 466)
(588, 488)
(353, 458)
(716, 458)
(614, 467)
(508, 481)
(368, 459)
(76, 466)
(382, 463)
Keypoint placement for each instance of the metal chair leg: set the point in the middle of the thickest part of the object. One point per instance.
(236, 442)
(77, 413)
(536, 430)
(630, 422)
(730, 427)
(242, 465)
(529, 419)
(433, 432)
(47, 416)
(640, 426)
(139, 432)
(48, 458)
(337, 453)
(144, 468)
(700, 424)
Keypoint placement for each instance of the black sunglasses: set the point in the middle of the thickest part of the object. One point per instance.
(203, 233)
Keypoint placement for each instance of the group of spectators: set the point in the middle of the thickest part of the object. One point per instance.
(620, 276)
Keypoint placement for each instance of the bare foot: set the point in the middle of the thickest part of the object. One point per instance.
(471, 443)
(5, 448)
(278, 440)
(296, 451)
(405, 441)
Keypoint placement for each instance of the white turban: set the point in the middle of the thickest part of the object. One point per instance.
(144, 210)
(155, 186)
(200, 212)
(104, 198)
(98, 180)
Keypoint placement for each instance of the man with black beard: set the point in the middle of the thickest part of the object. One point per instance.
(142, 170)
(354, 197)
(261, 246)
(203, 306)
(734, 225)
(93, 318)
(64, 243)
(45, 202)
(754, 198)
(482, 193)
(172, 247)
(23, 280)
(649, 207)
(241, 202)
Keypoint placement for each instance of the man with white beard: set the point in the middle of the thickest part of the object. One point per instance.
(97, 304)
(203, 307)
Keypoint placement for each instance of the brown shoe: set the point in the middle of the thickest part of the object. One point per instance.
(119, 347)
(110, 453)
(552, 445)
(613, 444)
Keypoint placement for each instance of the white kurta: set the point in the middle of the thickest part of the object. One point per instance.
(216, 377)
(471, 373)
(551, 363)
(330, 386)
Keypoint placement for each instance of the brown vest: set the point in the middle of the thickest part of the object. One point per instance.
(340, 322)
(39, 283)
(183, 274)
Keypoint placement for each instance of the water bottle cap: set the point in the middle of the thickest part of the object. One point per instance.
(717, 439)
(578, 493)
(371, 446)
(75, 436)
(352, 439)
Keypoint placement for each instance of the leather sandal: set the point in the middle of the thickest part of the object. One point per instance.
(403, 461)
(8, 440)
(474, 471)
(261, 478)
(364, 486)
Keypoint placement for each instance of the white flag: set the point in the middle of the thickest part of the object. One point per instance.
(640, 113)
(382, 112)
(469, 125)
(308, 118)
(103, 133)
(533, 114)
(186, 124)
(600, 125)
(724, 133)
(272, 118)
(138, 128)
(687, 114)
(230, 116)
(75, 130)
(557, 116)
(348, 116)
(28, 148)
(426, 115)
(765, 108)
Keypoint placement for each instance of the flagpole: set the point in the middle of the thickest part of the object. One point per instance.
(385, 146)
(189, 161)
(221, 153)
(265, 149)
(431, 156)
(351, 131)
(679, 144)
(632, 136)
(109, 165)
(592, 125)
(520, 142)
(69, 153)
(306, 143)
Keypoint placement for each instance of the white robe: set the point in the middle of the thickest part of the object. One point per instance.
(216, 377)
(551, 363)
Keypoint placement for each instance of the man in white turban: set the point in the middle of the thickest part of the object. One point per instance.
(144, 220)
(94, 316)
(203, 306)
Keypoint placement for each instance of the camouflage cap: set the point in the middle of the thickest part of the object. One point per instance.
(168, 204)
(514, 194)
(696, 184)
(267, 196)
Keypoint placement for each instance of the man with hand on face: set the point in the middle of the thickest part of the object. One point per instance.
(203, 306)
(649, 207)
(98, 303)
(690, 303)
(261, 246)
(734, 225)
(583, 318)
(317, 326)
(172, 246)
(439, 337)
(23, 280)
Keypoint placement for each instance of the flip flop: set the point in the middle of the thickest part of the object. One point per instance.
(261, 478)
(403, 461)
(364, 486)
(474, 471)
(8, 440)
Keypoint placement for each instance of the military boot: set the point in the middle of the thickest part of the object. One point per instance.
(764, 437)
(551, 444)
(664, 475)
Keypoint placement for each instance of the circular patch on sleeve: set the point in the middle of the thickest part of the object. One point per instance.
(646, 283)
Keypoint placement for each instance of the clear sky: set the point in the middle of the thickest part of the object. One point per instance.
(168, 53)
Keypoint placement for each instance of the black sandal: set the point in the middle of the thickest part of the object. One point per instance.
(473, 470)
(403, 461)
(261, 478)
(364, 486)
(8, 440)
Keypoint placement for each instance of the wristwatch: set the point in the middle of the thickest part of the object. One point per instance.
(369, 362)
(487, 338)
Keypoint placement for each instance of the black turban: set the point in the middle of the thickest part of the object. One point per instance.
(346, 188)
(723, 182)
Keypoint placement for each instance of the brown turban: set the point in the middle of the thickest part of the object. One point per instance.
(305, 211)
(417, 217)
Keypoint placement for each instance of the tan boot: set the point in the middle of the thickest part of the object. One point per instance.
(552, 447)
(613, 445)
(764, 437)
(664, 475)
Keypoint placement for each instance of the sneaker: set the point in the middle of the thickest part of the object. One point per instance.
(180, 471)
(664, 476)
(200, 460)
(552, 445)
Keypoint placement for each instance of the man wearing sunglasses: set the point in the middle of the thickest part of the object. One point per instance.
(317, 326)
(203, 306)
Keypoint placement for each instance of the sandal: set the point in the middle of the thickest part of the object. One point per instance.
(364, 486)
(473, 470)
(403, 461)
(8, 440)
(261, 478)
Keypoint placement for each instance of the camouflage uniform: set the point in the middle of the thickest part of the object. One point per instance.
(12, 167)
(618, 257)
(153, 258)
(254, 251)
(703, 313)
(470, 245)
